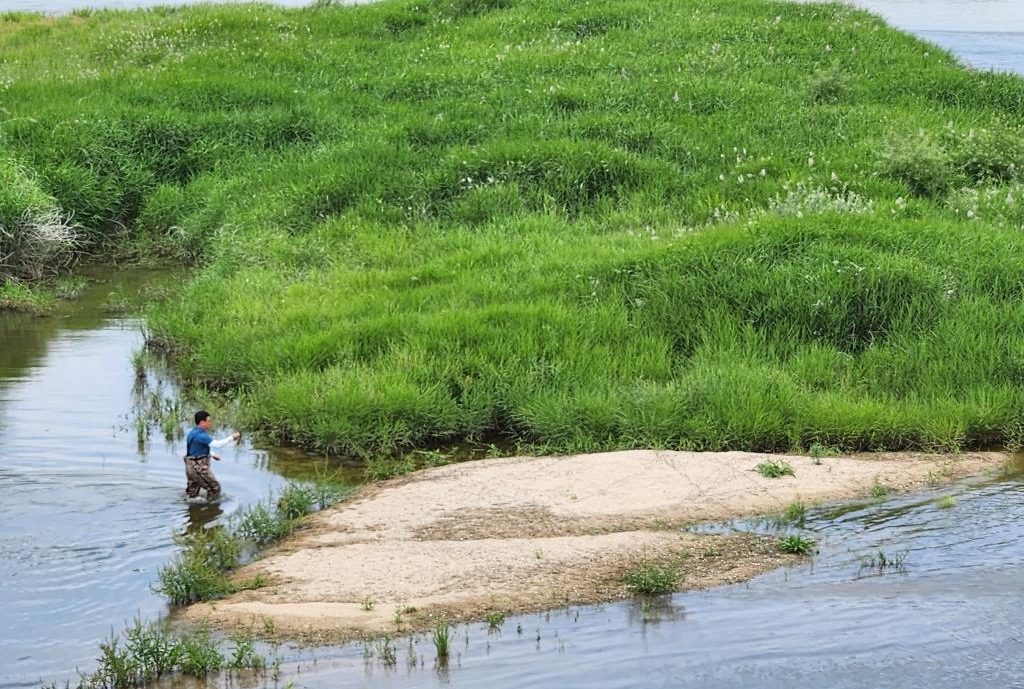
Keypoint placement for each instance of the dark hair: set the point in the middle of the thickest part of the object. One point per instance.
(202, 416)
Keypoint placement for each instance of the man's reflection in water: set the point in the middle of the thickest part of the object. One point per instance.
(202, 513)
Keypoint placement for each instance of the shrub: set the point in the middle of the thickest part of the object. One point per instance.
(987, 154)
(828, 86)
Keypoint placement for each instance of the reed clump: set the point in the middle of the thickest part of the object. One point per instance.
(571, 229)
(146, 653)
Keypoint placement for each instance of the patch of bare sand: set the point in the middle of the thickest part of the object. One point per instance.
(525, 534)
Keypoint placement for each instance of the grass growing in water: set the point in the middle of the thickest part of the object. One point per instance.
(442, 634)
(795, 513)
(883, 562)
(202, 569)
(150, 652)
(796, 545)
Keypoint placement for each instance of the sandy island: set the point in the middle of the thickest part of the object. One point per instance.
(526, 534)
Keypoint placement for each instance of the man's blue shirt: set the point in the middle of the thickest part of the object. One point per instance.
(197, 444)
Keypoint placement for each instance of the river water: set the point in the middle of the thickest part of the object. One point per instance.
(88, 504)
(88, 508)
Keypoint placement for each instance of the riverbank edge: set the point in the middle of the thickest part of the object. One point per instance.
(494, 538)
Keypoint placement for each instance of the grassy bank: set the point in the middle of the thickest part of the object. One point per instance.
(744, 225)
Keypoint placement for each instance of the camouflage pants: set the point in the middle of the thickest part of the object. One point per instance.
(199, 475)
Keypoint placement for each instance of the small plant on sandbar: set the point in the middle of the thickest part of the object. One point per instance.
(774, 468)
(880, 490)
(817, 451)
(650, 578)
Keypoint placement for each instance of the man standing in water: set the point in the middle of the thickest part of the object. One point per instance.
(197, 457)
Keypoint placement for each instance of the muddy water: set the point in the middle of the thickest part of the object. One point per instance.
(88, 503)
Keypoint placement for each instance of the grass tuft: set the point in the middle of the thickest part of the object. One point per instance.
(797, 545)
(201, 570)
(647, 577)
(775, 468)
(442, 636)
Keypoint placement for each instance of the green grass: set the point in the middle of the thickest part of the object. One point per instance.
(21, 297)
(748, 226)
(148, 653)
(797, 545)
(795, 513)
(442, 637)
(775, 468)
(881, 490)
(36, 234)
(494, 620)
(647, 577)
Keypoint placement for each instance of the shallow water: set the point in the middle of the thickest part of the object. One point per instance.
(984, 34)
(87, 510)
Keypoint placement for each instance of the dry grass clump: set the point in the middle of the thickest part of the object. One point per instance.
(36, 236)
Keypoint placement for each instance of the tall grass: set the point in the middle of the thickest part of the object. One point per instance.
(746, 225)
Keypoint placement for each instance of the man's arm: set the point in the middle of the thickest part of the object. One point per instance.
(222, 442)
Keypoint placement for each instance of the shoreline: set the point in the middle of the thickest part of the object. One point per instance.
(528, 534)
